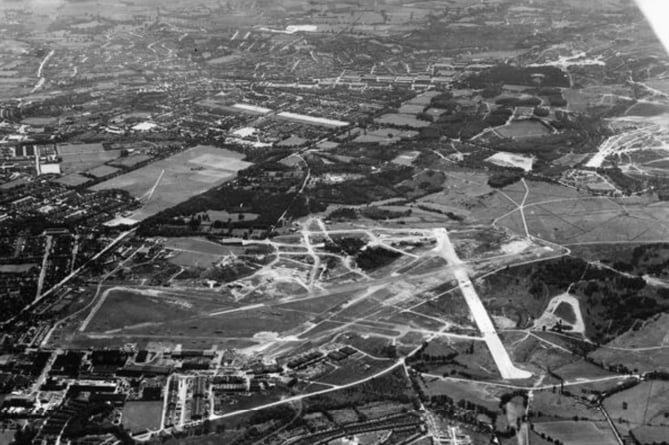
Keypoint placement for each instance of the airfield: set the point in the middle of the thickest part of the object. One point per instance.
(307, 295)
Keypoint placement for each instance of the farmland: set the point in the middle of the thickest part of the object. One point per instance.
(653, 399)
(167, 182)
(578, 433)
(548, 404)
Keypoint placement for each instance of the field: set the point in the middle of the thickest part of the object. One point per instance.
(401, 120)
(652, 334)
(124, 309)
(72, 180)
(131, 161)
(464, 192)
(170, 181)
(578, 433)
(523, 129)
(555, 405)
(6, 437)
(642, 360)
(353, 369)
(222, 215)
(651, 434)
(141, 416)
(581, 369)
(644, 404)
(197, 252)
(82, 157)
(102, 171)
(511, 160)
(563, 308)
(17, 268)
(384, 135)
(79, 162)
(79, 149)
(643, 108)
(582, 219)
(196, 317)
(476, 393)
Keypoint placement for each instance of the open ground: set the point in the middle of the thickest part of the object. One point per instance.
(167, 182)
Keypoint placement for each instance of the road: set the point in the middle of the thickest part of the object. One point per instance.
(395, 365)
(166, 398)
(97, 306)
(298, 398)
(611, 425)
(45, 266)
(55, 326)
(576, 382)
(307, 178)
(40, 71)
(499, 354)
(149, 194)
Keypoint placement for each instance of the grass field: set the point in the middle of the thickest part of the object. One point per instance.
(566, 312)
(643, 361)
(651, 434)
(567, 216)
(352, 369)
(176, 318)
(476, 393)
(78, 149)
(80, 162)
(7, 437)
(140, 416)
(653, 334)
(131, 161)
(72, 180)
(17, 268)
(101, 171)
(196, 244)
(170, 181)
(644, 404)
(578, 433)
(124, 308)
(581, 369)
(197, 252)
(523, 129)
(556, 405)
(401, 120)
(588, 220)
